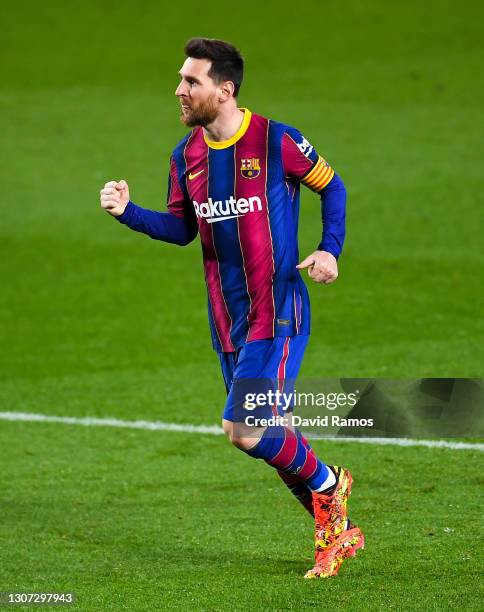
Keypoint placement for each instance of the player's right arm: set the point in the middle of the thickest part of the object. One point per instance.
(177, 226)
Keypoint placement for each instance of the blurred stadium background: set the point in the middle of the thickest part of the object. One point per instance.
(96, 320)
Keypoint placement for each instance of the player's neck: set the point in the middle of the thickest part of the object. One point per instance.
(225, 125)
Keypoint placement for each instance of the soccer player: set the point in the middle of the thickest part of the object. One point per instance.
(235, 179)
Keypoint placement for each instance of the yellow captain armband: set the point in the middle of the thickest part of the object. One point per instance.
(319, 175)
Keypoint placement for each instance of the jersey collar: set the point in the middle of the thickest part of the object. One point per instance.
(224, 144)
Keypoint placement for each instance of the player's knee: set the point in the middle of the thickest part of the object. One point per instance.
(238, 440)
(242, 443)
(228, 428)
(231, 434)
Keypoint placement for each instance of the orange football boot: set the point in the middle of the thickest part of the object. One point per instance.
(335, 537)
(330, 559)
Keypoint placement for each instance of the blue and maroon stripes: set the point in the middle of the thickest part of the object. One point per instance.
(286, 450)
(250, 255)
(176, 196)
(283, 216)
(196, 155)
(254, 232)
(295, 163)
(222, 177)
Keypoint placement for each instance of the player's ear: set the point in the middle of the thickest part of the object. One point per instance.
(227, 89)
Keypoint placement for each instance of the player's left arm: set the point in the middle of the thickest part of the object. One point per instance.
(302, 163)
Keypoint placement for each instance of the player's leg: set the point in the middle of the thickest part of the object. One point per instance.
(260, 366)
(296, 485)
(336, 538)
(287, 451)
(283, 448)
(293, 482)
(299, 489)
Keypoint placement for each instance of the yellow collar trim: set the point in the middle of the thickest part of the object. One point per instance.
(224, 144)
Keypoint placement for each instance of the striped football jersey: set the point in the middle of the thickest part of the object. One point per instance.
(243, 193)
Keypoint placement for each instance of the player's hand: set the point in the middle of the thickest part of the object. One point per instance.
(322, 267)
(115, 197)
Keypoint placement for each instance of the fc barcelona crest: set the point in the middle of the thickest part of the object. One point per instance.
(250, 168)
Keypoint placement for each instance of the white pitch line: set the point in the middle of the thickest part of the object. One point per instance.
(216, 430)
(95, 422)
(405, 442)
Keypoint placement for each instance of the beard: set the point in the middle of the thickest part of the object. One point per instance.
(203, 114)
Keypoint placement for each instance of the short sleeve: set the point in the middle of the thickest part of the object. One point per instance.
(302, 163)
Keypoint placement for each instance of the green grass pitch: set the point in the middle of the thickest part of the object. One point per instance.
(96, 320)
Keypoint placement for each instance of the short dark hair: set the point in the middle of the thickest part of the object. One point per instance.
(227, 63)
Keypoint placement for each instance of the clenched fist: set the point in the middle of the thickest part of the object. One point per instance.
(115, 197)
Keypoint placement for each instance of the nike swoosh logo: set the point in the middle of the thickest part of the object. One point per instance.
(192, 176)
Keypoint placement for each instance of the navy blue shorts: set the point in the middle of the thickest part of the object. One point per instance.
(255, 369)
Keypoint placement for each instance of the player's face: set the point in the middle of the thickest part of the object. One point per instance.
(197, 93)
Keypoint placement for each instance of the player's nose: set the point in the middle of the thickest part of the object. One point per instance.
(180, 90)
